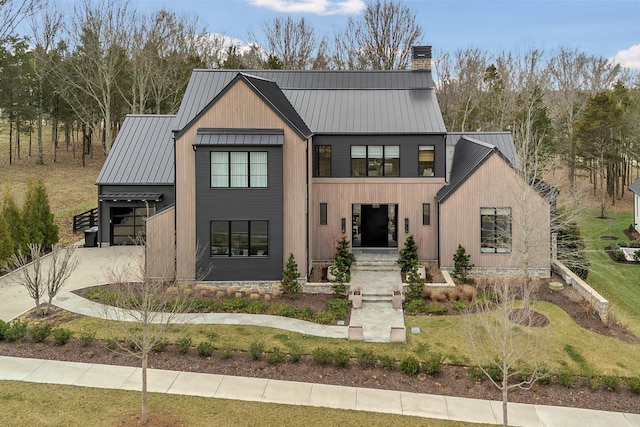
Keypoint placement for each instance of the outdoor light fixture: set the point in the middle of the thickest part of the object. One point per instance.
(344, 225)
(406, 225)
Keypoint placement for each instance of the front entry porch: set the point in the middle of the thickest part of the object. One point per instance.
(374, 225)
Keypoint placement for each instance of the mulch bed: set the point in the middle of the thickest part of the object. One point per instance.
(632, 235)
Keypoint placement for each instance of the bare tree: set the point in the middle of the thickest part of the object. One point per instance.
(502, 342)
(38, 278)
(380, 40)
(12, 13)
(294, 43)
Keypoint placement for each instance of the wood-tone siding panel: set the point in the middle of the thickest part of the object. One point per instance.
(495, 184)
(340, 194)
(240, 107)
(160, 244)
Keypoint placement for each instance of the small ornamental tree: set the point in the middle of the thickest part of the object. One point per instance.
(37, 216)
(13, 217)
(408, 258)
(461, 264)
(290, 285)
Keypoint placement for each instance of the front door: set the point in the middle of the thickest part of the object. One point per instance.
(375, 225)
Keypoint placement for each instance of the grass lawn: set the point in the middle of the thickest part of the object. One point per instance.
(619, 283)
(56, 405)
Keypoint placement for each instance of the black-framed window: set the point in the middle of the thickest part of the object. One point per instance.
(323, 214)
(426, 214)
(495, 234)
(239, 169)
(375, 160)
(323, 160)
(426, 160)
(240, 238)
(128, 224)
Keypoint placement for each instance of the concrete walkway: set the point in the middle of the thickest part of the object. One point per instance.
(297, 393)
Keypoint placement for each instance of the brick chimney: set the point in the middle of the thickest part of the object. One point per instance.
(421, 58)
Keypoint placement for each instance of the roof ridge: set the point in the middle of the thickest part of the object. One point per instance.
(477, 141)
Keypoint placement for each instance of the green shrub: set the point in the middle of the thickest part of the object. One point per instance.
(461, 265)
(433, 364)
(611, 382)
(276, 356)
(565, 377)
(3, 328)
(416, 306)
(87, 338)
(415, 285)
(256, 307)
(102, 295)
(132, 346)
(340, 358)
(204, 349)
(322, 356)
(634, 384)
(16, 331)
(160, 345)
(343, 255)
(256, 348)
(434, 307)
(226, 353)
(493, 371)
(410, 365)
(340, 269)
(544, 375)
(323, 317)
(475, 373)
(408, 256)
(366, 357)
(289, 284)
(338, 307)
(40, 333)
(461, 305)
(111, 344)
(61, 336)
(295, 353)
(183, 344)
(387, 362)
(234, 305)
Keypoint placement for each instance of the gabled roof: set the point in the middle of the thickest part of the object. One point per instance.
(142, 152)
(635, 187)
(469, 155)
(334, 101)
(503, 141)
(225, 136)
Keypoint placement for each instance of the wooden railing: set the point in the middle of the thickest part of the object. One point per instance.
(85, 220)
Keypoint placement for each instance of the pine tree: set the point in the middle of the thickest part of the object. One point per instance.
(6, 243)
(15, 225)
(289, 283)
(461, 264)
(408, 259)
(37, 216)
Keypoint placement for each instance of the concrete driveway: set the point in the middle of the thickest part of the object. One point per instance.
(95, 266)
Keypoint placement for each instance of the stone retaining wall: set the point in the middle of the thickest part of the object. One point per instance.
(597, 301)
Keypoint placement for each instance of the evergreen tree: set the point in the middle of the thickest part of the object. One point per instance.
(461, 264)
(6, 244)
(15, 225)
(289, 283)
(408, 259)
(37, 216)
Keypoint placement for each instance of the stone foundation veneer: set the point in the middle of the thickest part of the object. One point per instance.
(268, 286)
(503, 272)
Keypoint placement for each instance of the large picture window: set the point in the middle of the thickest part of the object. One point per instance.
(323, 160)
(375, 160)
(239, 169)
(426, 160)
(495, 230)
(239, 238)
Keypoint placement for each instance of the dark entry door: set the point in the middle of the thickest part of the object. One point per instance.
(375, 225)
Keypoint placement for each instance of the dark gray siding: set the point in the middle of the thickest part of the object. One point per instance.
(104, 215)
(341, 151)
(225, 204)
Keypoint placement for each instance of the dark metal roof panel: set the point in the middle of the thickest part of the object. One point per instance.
(239, 137)
(469, 155)
(503, 141)
(117, 196)
(635, 186)
(344, 92)
(142, 153)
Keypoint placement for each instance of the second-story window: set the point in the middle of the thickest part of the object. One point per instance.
(375, 160)
(239, 169)
(323, 160)
(426, 160)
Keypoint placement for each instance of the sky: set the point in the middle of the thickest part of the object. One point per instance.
(609, 28)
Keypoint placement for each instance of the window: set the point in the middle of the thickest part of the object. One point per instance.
(495, 232)
(426, 160)
(128, 225)
(323, 160)
(375, 160)
(239, 238)
(323, 214)
(426, 214)
(239, 169)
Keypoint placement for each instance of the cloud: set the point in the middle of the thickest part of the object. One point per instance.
(319, 7)
(629, 58)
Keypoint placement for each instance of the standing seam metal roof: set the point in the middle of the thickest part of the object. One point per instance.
(239, 137)
(335, 101)
(503, 141)
(142, 153)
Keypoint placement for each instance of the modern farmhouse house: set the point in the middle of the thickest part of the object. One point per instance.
(257, 165)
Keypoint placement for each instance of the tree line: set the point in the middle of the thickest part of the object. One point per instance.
(84, 71)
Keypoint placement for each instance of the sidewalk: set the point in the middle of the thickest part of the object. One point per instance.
(296, 393)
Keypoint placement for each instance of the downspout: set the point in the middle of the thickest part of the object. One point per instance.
(439, 264)
(175, 210)
(308, 255)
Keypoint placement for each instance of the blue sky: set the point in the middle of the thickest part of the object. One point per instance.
(609, 28)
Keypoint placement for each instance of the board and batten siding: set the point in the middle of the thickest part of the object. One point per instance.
(496, 185)
(341, 193)
(240, 107)
(160, 245)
